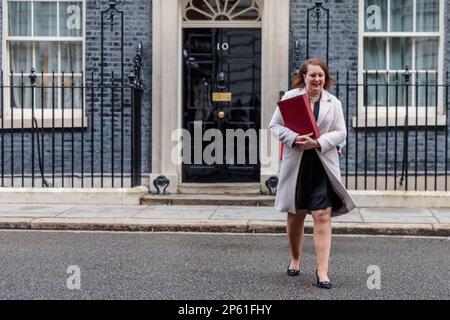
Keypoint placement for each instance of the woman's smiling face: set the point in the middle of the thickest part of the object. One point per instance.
(314, 79)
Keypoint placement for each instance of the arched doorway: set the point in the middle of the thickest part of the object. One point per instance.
(176, 25)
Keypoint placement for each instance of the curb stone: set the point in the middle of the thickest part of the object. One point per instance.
(232, 226)
(140, 225)
(383, 229)
(442, 230)
(15, 223)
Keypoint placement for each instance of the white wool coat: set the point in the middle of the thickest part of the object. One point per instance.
(333, 131)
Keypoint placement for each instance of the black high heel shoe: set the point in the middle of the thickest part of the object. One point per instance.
(322, 284)
(292, 272)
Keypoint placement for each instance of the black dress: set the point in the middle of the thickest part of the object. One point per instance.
(314, 190)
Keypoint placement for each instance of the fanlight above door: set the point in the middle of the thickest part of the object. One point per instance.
(222, 10)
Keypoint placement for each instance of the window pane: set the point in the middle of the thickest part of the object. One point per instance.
(375, 15)
(19, 18)
(427, 92)
(203, 11)
(46, 57)
(70, 19)
(402, 15)
(44, 94)
(427, 54)
(400, 53)
(376, 90)
(240, 11)
(71, 57)
(21, 92)
(72, 92)
(20, 54)
(374, 53)
(397, 90)
(427, 18)
(45, 19)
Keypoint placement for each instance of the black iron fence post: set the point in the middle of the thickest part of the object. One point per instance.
(136, 99)
(404, 176)
(446, 128)
(33, 77)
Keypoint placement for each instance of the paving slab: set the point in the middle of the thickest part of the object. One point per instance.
(352, 216)
(264, 213)
(386, 221)
(442, 214)
(397, 215)
(96, 211)
(248, 213)
(177, 212)
(32, 210)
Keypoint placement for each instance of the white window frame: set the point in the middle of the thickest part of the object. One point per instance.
(49, 120)
(397, 117)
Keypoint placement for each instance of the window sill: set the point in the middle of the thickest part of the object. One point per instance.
(57, 123)
(398, 121)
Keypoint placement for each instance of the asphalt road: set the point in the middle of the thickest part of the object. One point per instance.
(115, 265)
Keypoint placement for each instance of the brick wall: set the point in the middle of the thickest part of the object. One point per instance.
(343, 56)
(137, 28)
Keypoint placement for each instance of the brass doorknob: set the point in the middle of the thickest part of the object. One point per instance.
(221, 114)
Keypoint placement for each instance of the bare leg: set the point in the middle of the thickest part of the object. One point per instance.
(322, 241)
(295, 231)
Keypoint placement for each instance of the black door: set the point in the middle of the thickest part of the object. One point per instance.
(221, 91)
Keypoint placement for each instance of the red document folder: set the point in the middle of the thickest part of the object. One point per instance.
(298, 116)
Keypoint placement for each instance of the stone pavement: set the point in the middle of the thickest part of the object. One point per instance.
(386, 221)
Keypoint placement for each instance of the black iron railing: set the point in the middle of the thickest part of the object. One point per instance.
(68, 131)
(397, 125)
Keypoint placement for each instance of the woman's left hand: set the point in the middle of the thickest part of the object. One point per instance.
(306, 142)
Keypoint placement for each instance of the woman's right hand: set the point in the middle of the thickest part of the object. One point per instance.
(301, 140)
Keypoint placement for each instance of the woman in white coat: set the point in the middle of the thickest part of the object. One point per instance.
(310, 178)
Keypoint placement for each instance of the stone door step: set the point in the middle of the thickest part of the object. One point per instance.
(209, 199)
(220, 188)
